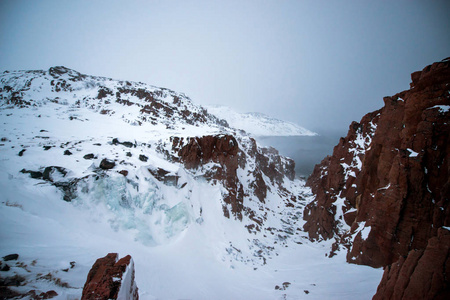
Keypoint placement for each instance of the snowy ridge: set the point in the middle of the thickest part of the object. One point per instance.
(60, 203)
(137, 103)
(258, 124)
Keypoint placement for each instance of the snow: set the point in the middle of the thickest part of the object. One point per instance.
(182, 245)
(365, 232)
(412, 153)
(192, 266)
(441, 108)
(128, 286)
(385, 187)
(257, 124)
(358, 147)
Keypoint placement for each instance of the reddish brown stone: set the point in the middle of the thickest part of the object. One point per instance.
(224, 151)
(124, 172)
(421, 275)
(402, 188)
(106, 279)
(107, 164)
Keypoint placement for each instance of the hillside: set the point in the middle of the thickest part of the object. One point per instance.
(92, 166)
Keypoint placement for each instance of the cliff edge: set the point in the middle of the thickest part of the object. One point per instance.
(384, 193)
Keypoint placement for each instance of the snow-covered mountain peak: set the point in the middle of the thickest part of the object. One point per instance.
(258, 124)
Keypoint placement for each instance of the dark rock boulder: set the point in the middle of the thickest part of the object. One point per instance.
(53, 173)
(33, 174)
(124, 172)
(4, 267)
(111, 278)
(11, 257)
(127, 144)
(143, 158)
(89, 156)
(57, 176)
(107, 164)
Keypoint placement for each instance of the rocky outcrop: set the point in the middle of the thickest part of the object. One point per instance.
(421, 274)
(245, 169)
(111, 278)
(221, 151)
(384, 193)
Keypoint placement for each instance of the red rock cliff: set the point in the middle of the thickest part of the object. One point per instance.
(385, 191)
(246, 170)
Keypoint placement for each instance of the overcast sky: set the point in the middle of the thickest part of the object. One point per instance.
(320, 64)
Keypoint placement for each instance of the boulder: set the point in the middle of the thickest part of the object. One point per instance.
(143, 158)
(111, 278)
(89, 156)
(11, 257)
(33, 174)
(107, 164)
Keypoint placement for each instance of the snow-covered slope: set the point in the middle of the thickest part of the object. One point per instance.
(258, 124)
(91, 166)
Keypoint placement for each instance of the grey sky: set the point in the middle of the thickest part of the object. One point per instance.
(320, 64)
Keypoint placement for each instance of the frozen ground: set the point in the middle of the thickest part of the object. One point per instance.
(184, 257)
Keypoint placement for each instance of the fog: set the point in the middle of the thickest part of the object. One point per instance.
(320, 64)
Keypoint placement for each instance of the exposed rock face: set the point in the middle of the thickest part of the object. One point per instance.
(421, 275)
(385, 190)
(111, 278)
(222, 152)
(234, 161)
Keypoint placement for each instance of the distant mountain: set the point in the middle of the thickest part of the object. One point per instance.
(258, 124)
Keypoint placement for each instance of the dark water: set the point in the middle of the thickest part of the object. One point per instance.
(306, 151)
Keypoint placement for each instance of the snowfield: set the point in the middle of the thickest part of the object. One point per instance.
(258, 124)
(183, 247)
